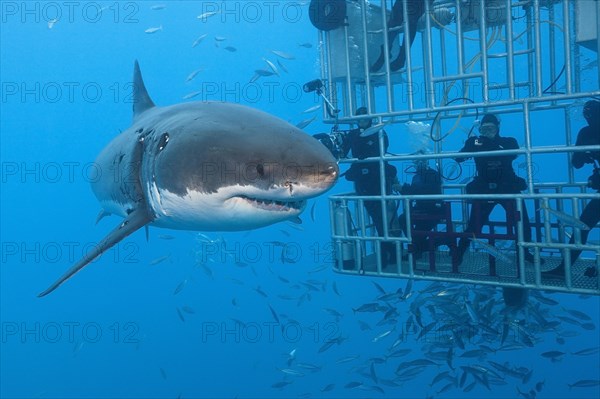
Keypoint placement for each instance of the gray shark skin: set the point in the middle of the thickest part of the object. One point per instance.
(205, 166)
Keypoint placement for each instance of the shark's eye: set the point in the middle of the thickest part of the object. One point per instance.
(164, 139)
(260, 169)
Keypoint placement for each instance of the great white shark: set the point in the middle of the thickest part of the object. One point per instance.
(204, 166)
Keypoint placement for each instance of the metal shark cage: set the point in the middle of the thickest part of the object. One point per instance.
(470, 56)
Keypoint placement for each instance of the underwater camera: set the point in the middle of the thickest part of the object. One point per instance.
(317, 86)
(313, 85)
(333, 141)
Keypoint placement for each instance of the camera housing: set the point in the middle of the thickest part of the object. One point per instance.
(313, 85)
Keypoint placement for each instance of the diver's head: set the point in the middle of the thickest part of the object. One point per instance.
(420, 163)
(489, 126)
(591, 112)
(363, 123)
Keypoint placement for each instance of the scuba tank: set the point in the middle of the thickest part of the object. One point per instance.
(343, 227)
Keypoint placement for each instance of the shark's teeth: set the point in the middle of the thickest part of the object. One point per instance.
(274, 205)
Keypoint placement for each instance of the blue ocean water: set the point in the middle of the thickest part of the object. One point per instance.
(220, 314)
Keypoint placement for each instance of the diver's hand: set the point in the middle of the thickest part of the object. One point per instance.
(396, 187)
(588, 158)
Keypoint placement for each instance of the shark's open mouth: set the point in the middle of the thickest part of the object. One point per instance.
(273, 205)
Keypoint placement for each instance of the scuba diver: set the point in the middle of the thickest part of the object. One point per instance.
(415, 10)
(366, 176)
(425, 214)
(588, 135)
(495, 175)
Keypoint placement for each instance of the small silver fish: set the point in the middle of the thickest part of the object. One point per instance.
(153, 30)
(285, 233)
(311, 109)
(283, 68)
(159, 260)
(192, 75)
(353, 384)
(305, 45)
(493, 251)
(261, 292)
(382, 335)
(578, 314)
(274, 313)
(199, 40)
(553, 354)
(305, 123)
(291, 372)
(263, 72)
(584, 384)
(192, 95)
(567, 219)
(586, 352)
(207, 270)
(318, 269)
(375, 129)
(180, 315)
(347, 359)
(158, 7)
(239, 322)
(254, 78)
(207, 15)
(231, 49)
(281, 384)
(328, 388)
(333, 312)
(220, 38)
(272, 66)
(188, 310)
(335, 289)
(180, 287)
(283, 55)
(77, 348)
(166, 237)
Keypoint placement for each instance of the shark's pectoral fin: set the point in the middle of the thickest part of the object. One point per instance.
(101, 215)
(134, 221)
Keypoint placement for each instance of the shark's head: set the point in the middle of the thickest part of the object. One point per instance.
(220, 166)
(211, 166)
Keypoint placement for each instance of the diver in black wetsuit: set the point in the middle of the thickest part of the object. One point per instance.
(425, 214)
(495, 175)
(415, 9)
(366, 178)
(588, 135)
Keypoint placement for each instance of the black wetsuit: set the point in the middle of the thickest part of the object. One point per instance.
(591, 213)
(415, 9)
(495, 175)
(366, 178)
(425, 214)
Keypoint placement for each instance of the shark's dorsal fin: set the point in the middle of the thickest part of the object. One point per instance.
(141, 99)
